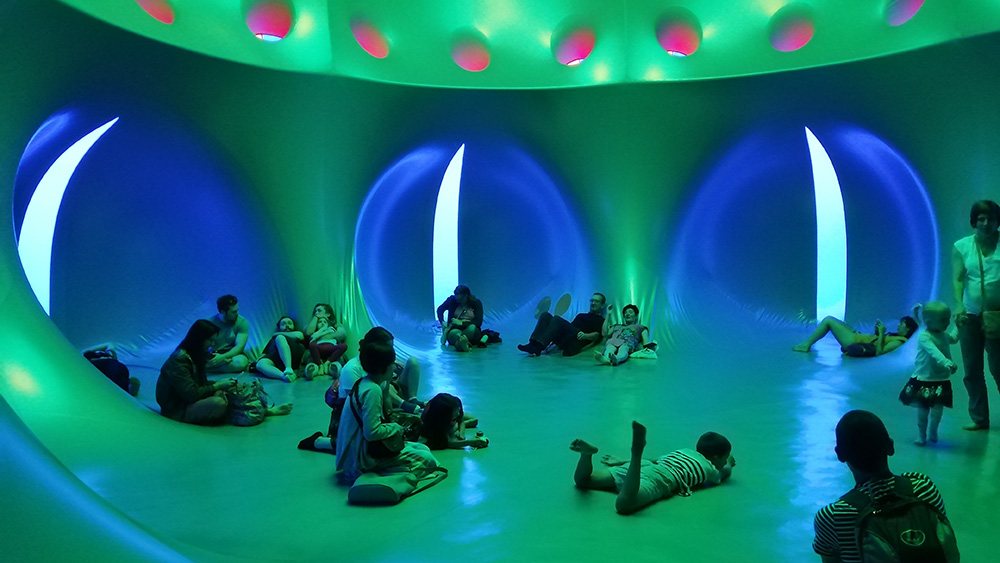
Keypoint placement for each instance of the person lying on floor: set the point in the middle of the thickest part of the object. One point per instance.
(859, 344)
(570, 337)
(443, 425)
(640, 482)
(366, 441)
(104, 357)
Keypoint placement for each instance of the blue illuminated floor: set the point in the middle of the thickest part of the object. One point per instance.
(248, 493)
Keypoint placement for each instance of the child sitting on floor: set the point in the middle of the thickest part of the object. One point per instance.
(929, 388)
(324, 350)
(640, 482)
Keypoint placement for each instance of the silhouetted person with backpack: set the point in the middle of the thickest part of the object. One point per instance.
(885, 517)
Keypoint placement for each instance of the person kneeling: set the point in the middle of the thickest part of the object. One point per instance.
(640, 482)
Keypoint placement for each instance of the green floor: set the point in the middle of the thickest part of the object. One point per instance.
(248, 493)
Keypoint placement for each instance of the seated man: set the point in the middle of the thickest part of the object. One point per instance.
(228, 345)
(570, 337)
(863, 443)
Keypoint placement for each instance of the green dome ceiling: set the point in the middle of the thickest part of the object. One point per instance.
(546, 43)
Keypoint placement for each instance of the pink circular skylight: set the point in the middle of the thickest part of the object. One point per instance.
(679, 33)
(470, 54)
(791, 28)
(575, 47)
(898, 12)
(370, 38)
(270, 20)
(161, 10)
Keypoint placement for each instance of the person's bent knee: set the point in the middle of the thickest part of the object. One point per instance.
(280, 338)
(239, 363)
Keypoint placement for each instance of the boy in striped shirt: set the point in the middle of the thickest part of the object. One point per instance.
(863, 443)
(640, 482)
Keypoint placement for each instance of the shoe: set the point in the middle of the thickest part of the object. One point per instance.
(309, 443)
(973, 427)
(531, 348)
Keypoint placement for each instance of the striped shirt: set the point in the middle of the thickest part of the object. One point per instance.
(689, 469)
(836, 523)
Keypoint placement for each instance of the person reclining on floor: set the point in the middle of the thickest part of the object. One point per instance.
(364, 422)
(623, 339)
(570, 337)
(283, 352)
(858, 344)
(227, 349)
(640, 482)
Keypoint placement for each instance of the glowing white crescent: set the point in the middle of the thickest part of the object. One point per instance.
(446, 229)
(34, 245)
(831, 234)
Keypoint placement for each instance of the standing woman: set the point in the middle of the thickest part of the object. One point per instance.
(182, 390)
(976, 284)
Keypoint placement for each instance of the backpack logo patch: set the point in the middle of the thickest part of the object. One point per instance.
(913, 538)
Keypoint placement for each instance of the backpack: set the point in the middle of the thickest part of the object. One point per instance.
(247, 404)
(901, 528)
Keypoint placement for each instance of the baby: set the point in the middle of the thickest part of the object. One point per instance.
(929, 388)
(640, 482)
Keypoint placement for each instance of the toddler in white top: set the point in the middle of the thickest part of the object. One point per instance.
(929, 388)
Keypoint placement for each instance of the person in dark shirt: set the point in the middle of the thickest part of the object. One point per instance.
(182, 390)
(570, 337)
(464, 324)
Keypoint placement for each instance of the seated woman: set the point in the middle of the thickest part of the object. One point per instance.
(623, 338)
(182, 390)
(859, 344)
(463, 326)
(443, 425)
(283, 352)
(326, 342)
(363, 423)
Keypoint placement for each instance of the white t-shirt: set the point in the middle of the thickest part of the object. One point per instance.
(973, 298)
(933, 361)
(349, 375)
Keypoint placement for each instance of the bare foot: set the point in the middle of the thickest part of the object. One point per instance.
(638, 438)
(601, 358)
(289, 376)
(280, 410)
(612, 461)
(582, 447)
(919, 442)
(803, 347)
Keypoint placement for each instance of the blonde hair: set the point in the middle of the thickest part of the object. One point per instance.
(938, 311)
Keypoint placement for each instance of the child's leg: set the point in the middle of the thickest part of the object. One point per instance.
(585, 476)
(314, 353)
(922, 413)
(630, 498)
(935, 420)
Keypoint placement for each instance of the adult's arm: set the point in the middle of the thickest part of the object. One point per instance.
(373, 428)
(644, 337)
(179, 372)
(311, 327)
(293, 334)
(339, 334)
(242, 334)
(958, 279)
(446, 306)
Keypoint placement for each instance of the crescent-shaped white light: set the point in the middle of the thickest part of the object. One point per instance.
(34, 244)
(446, 229)
(831, 234)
